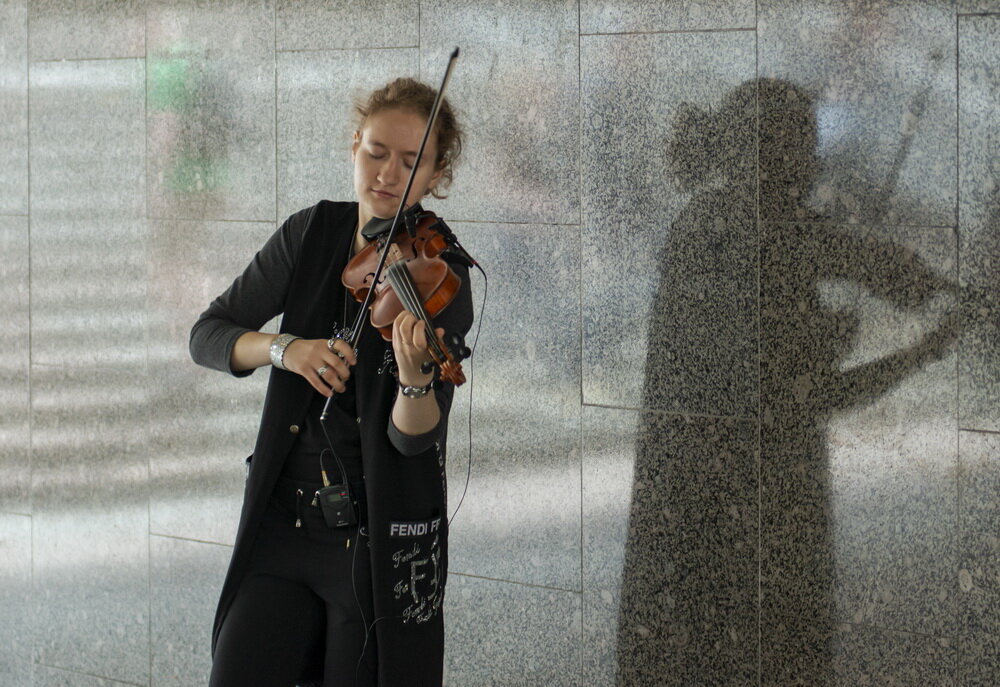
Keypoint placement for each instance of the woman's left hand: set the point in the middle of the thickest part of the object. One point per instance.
(409, 343)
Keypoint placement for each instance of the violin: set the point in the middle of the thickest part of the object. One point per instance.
(417, 277)
(414, 277)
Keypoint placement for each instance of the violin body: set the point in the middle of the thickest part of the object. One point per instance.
(414, 265)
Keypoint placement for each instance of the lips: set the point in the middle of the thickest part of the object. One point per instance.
(383, 194)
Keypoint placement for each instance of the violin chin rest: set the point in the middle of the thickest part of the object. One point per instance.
(378, 226)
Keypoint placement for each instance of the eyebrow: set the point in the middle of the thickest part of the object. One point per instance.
(382, 145)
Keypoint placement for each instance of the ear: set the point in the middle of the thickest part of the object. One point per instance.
(433, 181)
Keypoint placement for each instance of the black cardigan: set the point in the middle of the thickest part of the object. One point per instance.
(405, 479)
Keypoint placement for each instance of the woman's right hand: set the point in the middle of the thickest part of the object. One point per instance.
(309, 357)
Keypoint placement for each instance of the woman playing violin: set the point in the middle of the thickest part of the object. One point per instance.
(338, 571)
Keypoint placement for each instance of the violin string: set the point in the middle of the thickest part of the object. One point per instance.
(414, 295)
(401, 281)
(409, 295)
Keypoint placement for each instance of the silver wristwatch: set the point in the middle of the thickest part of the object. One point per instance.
(278, 347)
(415, 391)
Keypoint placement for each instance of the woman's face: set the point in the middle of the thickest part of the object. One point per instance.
(383, 154)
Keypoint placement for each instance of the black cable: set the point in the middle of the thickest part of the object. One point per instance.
(472, 387)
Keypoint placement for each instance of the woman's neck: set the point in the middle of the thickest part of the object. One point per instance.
(359, 242)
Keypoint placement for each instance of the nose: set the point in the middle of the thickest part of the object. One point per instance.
(388, 173)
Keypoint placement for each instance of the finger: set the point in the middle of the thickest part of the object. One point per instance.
(339, 365)
(318, 383)
(343, 348)
(420, 337)
(397, 336)
(336, 369)
(333, 381)
(404, 323)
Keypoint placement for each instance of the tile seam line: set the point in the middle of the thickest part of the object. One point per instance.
(176, 537)
(348, 49)
(957, 243)
(581, 668)
(517, 222)
(580, 312)
(94, 675)
(757, 225)
(100, 367)
(32, 633)
(268, 221)
(520, 584)
(15, 513)
(979, 431)
(89, 59)
(274, 63)
(873, 223)
(147, 237)
(731, 29)
(210, 219)
(661, 411)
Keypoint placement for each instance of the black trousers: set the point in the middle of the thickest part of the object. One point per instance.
(298, 605)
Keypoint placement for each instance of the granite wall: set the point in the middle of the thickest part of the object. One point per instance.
(735, 417)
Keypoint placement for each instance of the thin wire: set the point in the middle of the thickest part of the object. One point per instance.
(472, 388)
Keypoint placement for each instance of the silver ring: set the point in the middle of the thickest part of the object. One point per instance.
(322, 371)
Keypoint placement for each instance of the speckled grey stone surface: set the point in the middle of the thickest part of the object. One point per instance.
(516, 88)
(15, 600)
(520, 519)
(90, 543)
(605, 16)
(15, 458)
(858, 403)
(185, 581)
(629, 163)
(979, 222)
(210, 89)
(796, 652)
(316, 93)
(669, 252)
(86, 29)
(499, 634)
(318, 25)
(14, 108)
(879, 79)
(206, 421)
(669, 549)
(979, 568)
(979, 661)
(88, 229)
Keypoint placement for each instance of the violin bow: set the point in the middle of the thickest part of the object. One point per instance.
(359, 321)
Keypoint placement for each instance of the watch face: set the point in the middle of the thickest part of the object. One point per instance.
(415, 391)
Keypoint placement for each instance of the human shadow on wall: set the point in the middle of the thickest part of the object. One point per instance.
(689, 592)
